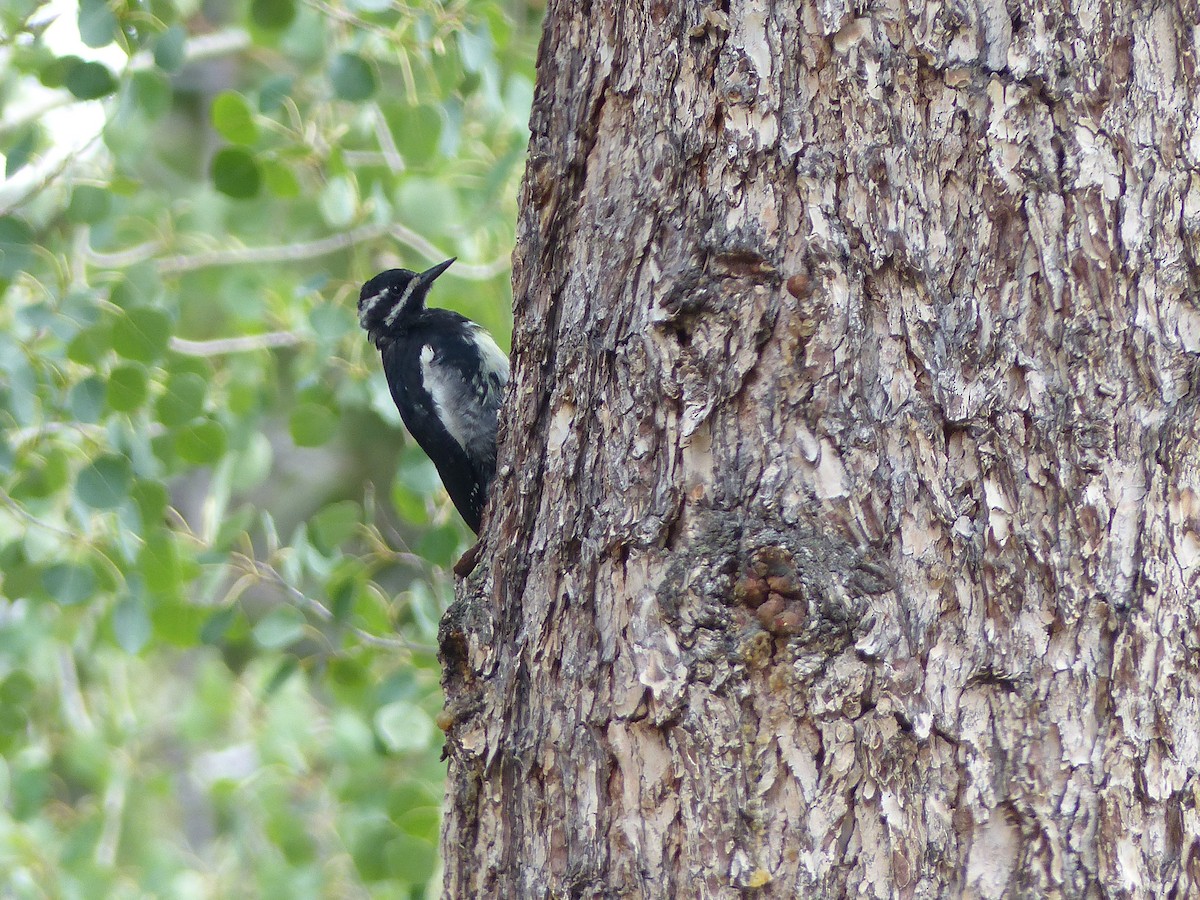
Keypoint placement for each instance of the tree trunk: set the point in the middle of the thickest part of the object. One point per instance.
(848, 525)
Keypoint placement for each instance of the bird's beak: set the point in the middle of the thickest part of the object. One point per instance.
(429, 275)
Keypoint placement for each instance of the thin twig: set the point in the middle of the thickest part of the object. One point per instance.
(21, 435)
(220, 346)
(113, 813)
(35, 112)
(200, 47)
(383, 134)
(123, 259)
(358, 24)
(21, 512)
(73, 705)
(322, 612)
(274, 253)
(37, 175)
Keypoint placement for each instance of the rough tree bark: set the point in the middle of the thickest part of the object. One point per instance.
(848, 527)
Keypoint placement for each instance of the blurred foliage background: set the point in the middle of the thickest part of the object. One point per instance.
(222, 561)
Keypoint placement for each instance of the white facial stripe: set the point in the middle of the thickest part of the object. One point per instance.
(373, 301)
(395, 310)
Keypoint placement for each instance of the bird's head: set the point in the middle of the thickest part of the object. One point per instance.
(390, 296)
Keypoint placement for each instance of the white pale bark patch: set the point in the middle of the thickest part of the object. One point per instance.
(847, 535)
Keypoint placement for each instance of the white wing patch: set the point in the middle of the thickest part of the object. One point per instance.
(446, 388)
(495, 362)
(468, 411)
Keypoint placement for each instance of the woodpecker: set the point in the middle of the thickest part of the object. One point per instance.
(447, 377)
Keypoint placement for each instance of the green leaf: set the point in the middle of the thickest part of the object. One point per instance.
(470, 83)
(333, 322)
(201, 442)
(233, 118)
(90, 80)
(158, 563)
(151, 499)
(416, 131)
(20, 579)
(476, 48)
(235, 173)
(335, 524)
(46, 476)
(403, 726)
(127, 388)
(368, 848)
(16, 246)
(151, 93)
(279, 628)
(40, 317)
(54, 73)
(105, 483)
(125, 294)
(141, 333)
(432, 203)
(253, 464)
(169, 49)
(163, 448)
(87, 347)
(343, 586)
(13, 14)
(21, 150)
(215, 628)
(448, 69)
(177, 622)
(312, 424)
(411, 794)
(97, 24)
(338, 201)
(290, 833)
(86, 399)
(30, 788)
(69, 583)
(273, 92)
(352, 77)
(273, 15)
(280, 180)
(417, 472)
(518, 98)
(182, 400)
(410, 859)
(281, 676)
(440, 545)
(17, 692)
(88, 205)
(422, 822)
(131, 625)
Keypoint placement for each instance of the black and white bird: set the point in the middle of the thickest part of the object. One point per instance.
(447, 376)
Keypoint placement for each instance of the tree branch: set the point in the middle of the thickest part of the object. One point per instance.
(274, 253)
(251, 342)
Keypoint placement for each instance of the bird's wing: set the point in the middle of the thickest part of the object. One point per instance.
(465, 377)
(493, 363)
